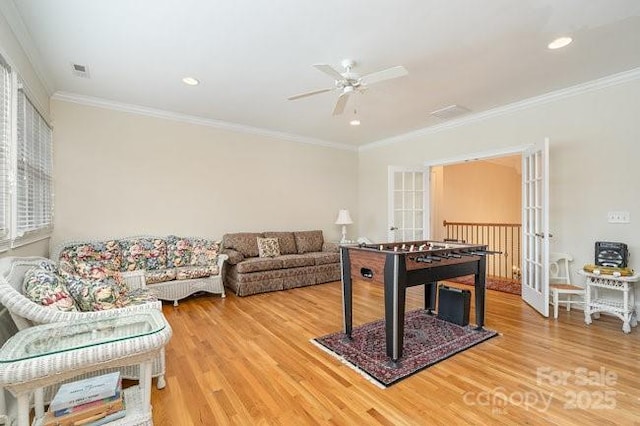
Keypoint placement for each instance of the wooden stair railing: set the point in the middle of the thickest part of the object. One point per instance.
(502, 237)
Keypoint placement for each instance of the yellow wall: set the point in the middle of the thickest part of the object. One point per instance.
(481, 192)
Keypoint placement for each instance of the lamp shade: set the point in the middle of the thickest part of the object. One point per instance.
(344, 218)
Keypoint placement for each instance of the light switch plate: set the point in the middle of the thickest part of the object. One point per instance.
(619, 217)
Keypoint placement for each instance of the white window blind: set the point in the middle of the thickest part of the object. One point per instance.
(34, 191)
(5, 143)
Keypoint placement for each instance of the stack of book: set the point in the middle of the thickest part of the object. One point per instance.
(89, 402)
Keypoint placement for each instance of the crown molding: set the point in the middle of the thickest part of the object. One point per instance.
(19, 29)
(191, 119)
(601, 83)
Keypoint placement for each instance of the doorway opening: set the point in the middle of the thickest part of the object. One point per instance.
(479, 201)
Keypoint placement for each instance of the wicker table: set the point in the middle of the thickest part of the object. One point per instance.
(595, 302)
(47, 354)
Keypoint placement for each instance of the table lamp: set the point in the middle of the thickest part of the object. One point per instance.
(344, 219)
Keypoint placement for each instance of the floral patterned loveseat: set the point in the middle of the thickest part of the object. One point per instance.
(172, 267)
(269, 261)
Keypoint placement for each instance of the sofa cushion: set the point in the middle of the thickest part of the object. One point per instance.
(45, 287)
(286, 241)
(268, 247)
(257, 264)
(143, 253)
(191, 272)
(324, 258)
(178, 251)
(139, 296)
(308, 241)
(233, 256)
(107, 253)
(91, 270)
(244, 242)
(204, 252)
(95, 295)
(296, 260)
(154, 276)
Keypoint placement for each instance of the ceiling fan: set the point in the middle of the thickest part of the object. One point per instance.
(349, 82)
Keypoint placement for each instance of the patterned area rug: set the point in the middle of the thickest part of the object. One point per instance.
(506, 285)
(427, 340)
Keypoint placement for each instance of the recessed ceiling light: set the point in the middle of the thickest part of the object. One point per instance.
(355, 122)
(190, 81)
(560, 42)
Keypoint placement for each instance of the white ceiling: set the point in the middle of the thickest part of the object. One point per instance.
(250, 55)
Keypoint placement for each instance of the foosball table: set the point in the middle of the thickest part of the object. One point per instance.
(406, 264)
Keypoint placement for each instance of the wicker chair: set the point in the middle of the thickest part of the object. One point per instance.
(26, 313)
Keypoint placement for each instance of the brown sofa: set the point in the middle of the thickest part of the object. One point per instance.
(303, 259)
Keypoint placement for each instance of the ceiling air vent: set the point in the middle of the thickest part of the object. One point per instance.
(452, 111)
(80, 70)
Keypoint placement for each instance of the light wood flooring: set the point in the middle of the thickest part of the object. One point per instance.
(248, 361)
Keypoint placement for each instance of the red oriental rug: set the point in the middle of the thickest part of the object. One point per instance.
(427, 341)
(506, 285)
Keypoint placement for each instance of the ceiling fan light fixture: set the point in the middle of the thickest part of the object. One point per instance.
(559, 43)
(355, 121)
(191, 81)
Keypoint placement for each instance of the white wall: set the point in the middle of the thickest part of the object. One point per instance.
(119, 174)
(594, 165)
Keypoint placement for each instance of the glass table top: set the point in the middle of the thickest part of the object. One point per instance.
(54, 338)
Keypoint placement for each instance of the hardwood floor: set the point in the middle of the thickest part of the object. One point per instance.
(249, 361)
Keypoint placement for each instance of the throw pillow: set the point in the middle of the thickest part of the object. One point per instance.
(286, 241)
(45, 287)
(268, 247)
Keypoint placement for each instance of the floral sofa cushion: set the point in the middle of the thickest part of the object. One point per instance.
(139, 296)
(191, 272)
(98, 295)
(309, 241)
(45, 287)
(178, 251)
(143, 253)
(204, 252)
(155, 276)
(105, 253)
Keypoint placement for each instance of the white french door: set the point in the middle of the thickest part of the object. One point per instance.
(408, 192)
(535, 227)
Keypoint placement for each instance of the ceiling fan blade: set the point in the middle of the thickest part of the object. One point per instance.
(342, 102)
(328, 69)
(304, 95)
(387, 74)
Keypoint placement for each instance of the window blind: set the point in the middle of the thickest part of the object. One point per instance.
(34, 189)
(5, 143)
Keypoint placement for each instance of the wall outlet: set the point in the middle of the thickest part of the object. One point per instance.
(619, 217)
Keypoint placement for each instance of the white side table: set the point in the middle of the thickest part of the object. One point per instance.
(47, 354)
(595, 302)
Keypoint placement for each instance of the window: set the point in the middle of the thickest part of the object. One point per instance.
(26, 184)
(34, 210)
(5, 143)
